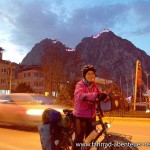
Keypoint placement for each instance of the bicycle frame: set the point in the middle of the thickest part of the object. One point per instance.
(104, 128)
(100, 122)
(68, 133)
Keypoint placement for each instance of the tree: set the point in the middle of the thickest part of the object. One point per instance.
(23, 88)
(53, 67)
(1, 49)
(71, 88)
(59, 66)
(73, 66)
(64, 96)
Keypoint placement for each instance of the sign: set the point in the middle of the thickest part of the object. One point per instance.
(102, 81)
(147, 93)
(46, 93)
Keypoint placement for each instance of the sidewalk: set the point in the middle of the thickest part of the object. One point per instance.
(127, 119)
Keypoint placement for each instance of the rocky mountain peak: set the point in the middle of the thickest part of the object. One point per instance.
(113, 56)
(35, 55)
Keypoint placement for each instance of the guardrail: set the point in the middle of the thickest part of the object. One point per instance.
(129, 113)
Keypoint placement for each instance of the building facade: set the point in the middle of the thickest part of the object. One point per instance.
(31, 75)
(7, 75)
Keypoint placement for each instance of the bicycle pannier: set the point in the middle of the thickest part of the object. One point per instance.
(51, 115)
(113, 103)
(49, 135)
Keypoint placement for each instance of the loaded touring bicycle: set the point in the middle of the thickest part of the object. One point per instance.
(57, 131)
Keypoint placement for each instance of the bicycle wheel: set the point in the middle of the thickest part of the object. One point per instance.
(115, 142)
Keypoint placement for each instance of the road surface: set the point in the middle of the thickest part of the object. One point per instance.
(11, 139)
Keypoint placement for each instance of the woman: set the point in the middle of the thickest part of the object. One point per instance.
(86, 92)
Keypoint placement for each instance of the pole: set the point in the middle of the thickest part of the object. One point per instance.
(127, 85)
(10, 82)
(135, 86)
(147, 80)
(147, 83)
(132, 84)
(120, 85)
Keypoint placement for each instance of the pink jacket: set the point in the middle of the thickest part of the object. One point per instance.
(82, 108)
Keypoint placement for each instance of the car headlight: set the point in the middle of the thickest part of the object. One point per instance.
(147, 111)
(60, 110)
(37, 112)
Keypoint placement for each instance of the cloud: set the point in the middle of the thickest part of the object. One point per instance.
(141, 11)
(35, 20)
(27, 22)
(87, 21)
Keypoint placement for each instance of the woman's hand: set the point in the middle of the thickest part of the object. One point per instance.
(102, 97)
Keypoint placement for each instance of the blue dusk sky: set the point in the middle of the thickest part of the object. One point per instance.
(23, 23)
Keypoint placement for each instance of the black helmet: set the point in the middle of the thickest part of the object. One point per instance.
(87, 68)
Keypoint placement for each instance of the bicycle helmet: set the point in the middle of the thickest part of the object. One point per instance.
(87, 68)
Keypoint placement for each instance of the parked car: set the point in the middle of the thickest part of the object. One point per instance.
(24, 109)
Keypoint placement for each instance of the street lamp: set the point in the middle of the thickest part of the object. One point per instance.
(147, 74)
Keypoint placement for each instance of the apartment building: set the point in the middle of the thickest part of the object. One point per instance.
(7, 75)
(31, 75)
(12, 74)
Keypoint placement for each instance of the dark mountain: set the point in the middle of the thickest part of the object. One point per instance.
(40, 49)
(113, 53)
(115, 58)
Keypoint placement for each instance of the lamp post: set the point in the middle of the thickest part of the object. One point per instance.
(121, 85)
(132, 76)
(127, 85)
(147, 74)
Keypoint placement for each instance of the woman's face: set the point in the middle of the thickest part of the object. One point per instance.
(90, 76)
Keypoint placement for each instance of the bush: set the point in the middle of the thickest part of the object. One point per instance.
(23, 88)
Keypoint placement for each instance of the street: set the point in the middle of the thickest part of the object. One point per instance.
(11, 139)
(138, 128)
(18, 140)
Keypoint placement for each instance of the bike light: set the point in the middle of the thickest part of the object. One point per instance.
(107, 125)
(37, 112)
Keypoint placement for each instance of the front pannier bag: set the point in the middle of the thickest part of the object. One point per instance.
(114, 102)
(115, 99)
